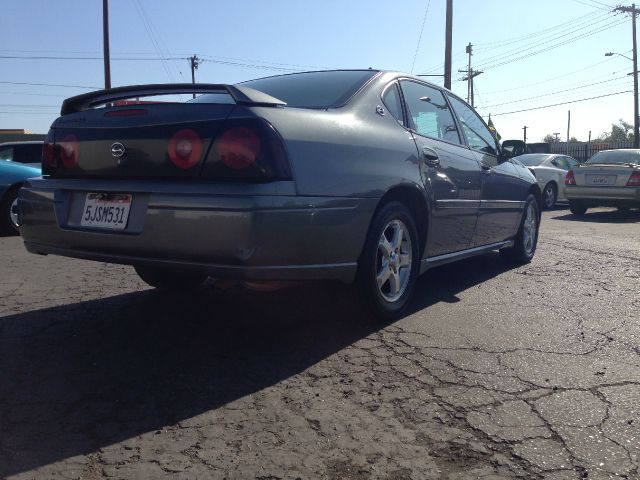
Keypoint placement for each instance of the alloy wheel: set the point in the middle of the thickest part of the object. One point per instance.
(13, 213)
(530, 230)
(393, 262)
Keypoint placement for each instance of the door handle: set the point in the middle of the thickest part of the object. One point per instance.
(430, 157)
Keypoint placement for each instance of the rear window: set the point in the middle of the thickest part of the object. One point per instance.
(532, 160)
(313, 89)
(616, 156)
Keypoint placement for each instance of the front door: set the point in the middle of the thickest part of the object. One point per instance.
(450, 171)
(501, 203)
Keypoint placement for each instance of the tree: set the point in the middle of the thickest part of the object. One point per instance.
(550, 138)
(573, 140)
(620, 132)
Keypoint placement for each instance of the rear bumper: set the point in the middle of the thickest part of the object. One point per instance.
(265, 233)
(603, 195)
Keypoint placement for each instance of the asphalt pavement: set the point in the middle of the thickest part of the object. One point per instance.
(498, 372)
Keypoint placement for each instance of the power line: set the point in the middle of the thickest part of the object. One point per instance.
(500, 60)
(420, 37)
(557, 92)
(548, 80)
(563, 103)
(51, 85)
(554, 28)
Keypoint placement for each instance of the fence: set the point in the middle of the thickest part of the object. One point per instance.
(583, 151)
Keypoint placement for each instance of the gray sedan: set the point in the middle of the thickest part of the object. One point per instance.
(354, 175)
(611, 178)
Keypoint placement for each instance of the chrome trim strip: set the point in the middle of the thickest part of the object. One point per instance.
(501, 204)
(457, 203)
(428, 263)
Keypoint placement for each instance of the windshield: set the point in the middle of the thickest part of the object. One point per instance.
(616, 157)
(532, 160)
(313, 89)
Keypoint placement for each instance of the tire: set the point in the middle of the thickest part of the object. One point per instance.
(170, 279)
(577, 208)
(526, 240)
(392, 253)
(549, 196)
(8, 221)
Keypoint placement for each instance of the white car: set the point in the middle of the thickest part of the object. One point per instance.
(550, 170)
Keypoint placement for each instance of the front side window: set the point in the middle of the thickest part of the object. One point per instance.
(429, 113)
(477, 134)
(393, 102)
(6, 153)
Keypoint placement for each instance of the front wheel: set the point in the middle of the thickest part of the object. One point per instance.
(8, 212)
(390, 261)
(170, 279)
(526, 240)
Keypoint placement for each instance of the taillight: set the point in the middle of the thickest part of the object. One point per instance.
(238, 147)
(48, 153)
(69, 150)
(185, 149)
(634, 179)
(247, 149)
(569, 179)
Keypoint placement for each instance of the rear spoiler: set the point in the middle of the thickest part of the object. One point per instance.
(241, 95)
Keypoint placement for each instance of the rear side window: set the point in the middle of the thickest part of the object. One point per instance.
(429, 114)
(393, 102)
(313, 89)
(478, 135)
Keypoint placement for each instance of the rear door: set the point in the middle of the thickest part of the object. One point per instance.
(503, 191)
(449, 170)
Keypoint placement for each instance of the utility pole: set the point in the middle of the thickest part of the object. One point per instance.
(471, 73)
(194, 66)
(556, 134)
(105, 42)
(636, 128)
(525, 133)
(447, 45)
(568, 129)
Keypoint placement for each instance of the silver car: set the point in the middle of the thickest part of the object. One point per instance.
(550, 170)
(611, 178)
(353, 175)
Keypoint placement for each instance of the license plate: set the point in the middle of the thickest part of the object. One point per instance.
(601, 179)
(106, 210)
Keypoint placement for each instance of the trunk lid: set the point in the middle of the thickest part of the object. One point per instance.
(603, 175)
(135, 140)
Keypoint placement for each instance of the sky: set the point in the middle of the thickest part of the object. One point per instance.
(532, 53)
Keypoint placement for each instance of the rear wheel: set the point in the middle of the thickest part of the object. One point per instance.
(390, 261)
(577, 208)
(170, 279)
(526, 240)
(549, 196)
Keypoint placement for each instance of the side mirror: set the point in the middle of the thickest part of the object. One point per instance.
(513, 148)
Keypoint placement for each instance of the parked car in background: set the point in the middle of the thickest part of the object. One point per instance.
(29, 153)
(12, 176)
(550, 170)
(353, 175)
(611, 178)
